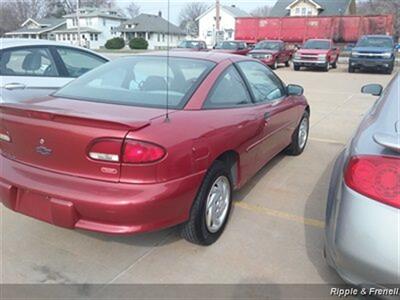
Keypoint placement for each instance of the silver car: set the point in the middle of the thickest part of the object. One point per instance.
(363, 210)
(42, 64)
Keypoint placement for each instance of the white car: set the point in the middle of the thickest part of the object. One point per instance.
(43, 64)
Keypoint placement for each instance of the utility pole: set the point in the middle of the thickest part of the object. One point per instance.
(217, 15)
(78, 25)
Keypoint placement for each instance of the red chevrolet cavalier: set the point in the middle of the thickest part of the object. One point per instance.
(147, 142)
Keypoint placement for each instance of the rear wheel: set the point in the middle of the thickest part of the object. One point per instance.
(300, 136)
(211, 207)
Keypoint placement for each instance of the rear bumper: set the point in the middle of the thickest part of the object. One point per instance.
(115, 208)
(309, 63)
(365, 63)
(362, 237)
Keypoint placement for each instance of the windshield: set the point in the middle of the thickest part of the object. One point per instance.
(379, 42)
(227, 45)
(315, 44)
(140, 81)
(268, 46)
(189, 44)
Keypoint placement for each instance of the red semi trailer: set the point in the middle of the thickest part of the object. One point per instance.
(341, 29)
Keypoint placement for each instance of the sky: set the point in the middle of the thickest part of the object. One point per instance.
(154, 6)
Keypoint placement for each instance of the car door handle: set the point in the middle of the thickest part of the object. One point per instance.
(14, 86)
(266, 116)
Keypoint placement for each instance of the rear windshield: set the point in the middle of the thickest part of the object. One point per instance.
(268, 46)
(189, 44)
(140, 81)
(379, 42)
(314, 44)
(227, 45)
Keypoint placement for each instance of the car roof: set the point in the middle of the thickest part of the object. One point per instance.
(378, 36)
(11, 43)
(211, 56)
(274, 41)
(324, 40)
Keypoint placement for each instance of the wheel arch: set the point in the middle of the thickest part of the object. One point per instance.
(231, 159)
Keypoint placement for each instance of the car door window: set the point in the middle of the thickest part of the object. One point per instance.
(78, 62)
(263, 83)
(34, 61)
(229, 91)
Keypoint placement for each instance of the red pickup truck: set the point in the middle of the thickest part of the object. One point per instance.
(317, 53)
(272, 53)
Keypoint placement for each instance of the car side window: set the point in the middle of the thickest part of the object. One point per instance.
(78, 62)
(263, 83)
(27, 61)
(229, 91)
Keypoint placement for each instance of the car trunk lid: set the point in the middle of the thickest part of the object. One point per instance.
(56, 134)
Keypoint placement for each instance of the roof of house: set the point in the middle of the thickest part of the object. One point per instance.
(232, 10)
(89, 12)
(329, 7)
(75, 30)
(149, 23)
(45, 25)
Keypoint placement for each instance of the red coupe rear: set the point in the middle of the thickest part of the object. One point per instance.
(105, 154)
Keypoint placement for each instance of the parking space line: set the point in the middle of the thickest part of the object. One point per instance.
(327, 141)
(281, 214)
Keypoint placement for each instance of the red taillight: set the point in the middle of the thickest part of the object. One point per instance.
(377, 177)
(130, 151)
(106, 150)
(141, 152)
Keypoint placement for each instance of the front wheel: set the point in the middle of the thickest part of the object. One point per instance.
(334, 65)
(300, 136)
(326, 67)
(287, 63)
(296, 67)
(211, 207)
(275, 65)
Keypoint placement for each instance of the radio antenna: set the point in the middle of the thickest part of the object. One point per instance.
(168, 40)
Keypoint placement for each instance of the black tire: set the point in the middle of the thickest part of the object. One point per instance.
(389, 71)
(275, 65)
(195, 230)
(294, 148)
(287, 63)
(334, 65)
(326, 67)
(351, 69)
(296, 67)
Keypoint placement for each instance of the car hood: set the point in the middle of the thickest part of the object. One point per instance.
(372, 49)
(226, 50)
(312, 51)
(263, 51)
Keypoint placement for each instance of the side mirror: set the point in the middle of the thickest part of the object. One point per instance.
(372, 89)
(294, 90)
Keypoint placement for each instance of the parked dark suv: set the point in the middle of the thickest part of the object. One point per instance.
(376, 52)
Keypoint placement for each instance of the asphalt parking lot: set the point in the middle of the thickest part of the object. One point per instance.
(275, 234)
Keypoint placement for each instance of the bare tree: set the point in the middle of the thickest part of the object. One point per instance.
(261, 11)
(14, 13)
(369, 7)
(188, 15)
(133, 10)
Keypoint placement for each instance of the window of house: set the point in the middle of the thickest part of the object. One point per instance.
(297, 11)
(163, 37)
(104, 22)
(91, 36)
(304, 11)
(229, 91)
(96, 36)
(158, 37)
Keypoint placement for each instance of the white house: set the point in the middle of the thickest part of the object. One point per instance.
(96, 27)
(207, 23)
(158, 32)
(38, 29)
(294, 8)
